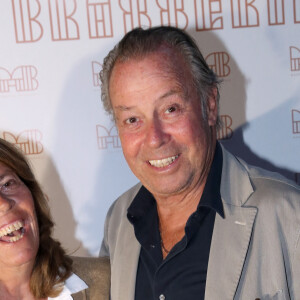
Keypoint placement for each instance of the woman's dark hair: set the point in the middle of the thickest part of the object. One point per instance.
(52, 266)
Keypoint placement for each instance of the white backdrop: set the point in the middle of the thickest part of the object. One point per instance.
(51, 53)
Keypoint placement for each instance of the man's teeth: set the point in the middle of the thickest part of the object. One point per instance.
(12, 231)
(163, 162)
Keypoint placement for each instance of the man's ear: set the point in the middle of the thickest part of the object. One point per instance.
(212, 107)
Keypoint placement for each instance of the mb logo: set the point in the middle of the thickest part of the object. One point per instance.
(96, 68)
(225, 132)
(296, 121)
(135, 13)
(172, 12)
(219, 63)
(29, 141)
(295, 58)
(107, 137)
(21, 79)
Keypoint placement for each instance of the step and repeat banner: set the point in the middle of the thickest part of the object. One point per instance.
(51, 54)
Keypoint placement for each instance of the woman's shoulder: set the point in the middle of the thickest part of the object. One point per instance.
(92, 263)
(94, 271)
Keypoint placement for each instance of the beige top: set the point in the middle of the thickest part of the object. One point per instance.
(95, 272)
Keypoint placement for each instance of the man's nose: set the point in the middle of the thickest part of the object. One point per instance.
(156, 134)
(6, 204)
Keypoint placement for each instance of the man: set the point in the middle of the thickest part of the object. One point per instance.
(202, 224)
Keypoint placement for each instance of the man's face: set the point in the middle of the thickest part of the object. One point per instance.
(158, 115)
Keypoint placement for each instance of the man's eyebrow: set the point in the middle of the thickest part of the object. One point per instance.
(124, 107)
(165, 95)
(169, 93)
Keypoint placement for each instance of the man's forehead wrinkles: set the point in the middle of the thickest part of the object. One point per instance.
(169, 93)
(124, 107)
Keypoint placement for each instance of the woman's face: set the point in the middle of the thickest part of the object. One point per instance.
(19, 233)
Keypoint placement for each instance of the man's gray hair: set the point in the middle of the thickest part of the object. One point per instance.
(140, 42)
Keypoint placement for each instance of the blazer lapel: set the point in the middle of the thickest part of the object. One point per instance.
(125, 263)
(229, 246)
(231, 235)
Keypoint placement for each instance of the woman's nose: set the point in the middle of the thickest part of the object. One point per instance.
(6, 204)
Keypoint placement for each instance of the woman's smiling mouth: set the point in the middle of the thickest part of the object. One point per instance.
(12, 232)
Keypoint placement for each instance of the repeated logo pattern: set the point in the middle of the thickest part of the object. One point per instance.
(107, 137)
(99, 19)
(295, 58)
(296, 11)
(172, 12)
(96, 68)
(29, 141)
(296, 121)
(135, 13)
(225, 132)
(21, 79)
(65, 24)
(219, 63)
(276, 14)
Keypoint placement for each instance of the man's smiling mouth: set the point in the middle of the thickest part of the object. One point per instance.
(12, 232)
(160, 163)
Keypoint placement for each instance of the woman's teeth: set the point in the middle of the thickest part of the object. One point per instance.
(12, 232)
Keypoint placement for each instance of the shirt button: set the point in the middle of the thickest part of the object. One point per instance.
(162, 297)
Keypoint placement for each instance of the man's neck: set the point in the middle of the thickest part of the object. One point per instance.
(173, 213)
(175, 210)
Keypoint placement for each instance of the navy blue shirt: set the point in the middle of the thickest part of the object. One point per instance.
(182, 274)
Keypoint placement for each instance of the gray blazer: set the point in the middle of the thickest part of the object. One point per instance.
(95, 272)
(255, 251)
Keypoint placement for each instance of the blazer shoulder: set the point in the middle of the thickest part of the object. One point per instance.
(119, 206)
(95, 272)
(244, 184)
(272, 189)
(272, 180)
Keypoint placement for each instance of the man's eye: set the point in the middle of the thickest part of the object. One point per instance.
(171, 109)
(131, 120)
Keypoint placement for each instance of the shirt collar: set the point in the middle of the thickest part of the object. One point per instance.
(211, 196)
(72, 285)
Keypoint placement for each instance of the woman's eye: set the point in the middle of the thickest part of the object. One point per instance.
(10, 185)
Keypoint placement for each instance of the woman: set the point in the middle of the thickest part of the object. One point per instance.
(33, 266)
